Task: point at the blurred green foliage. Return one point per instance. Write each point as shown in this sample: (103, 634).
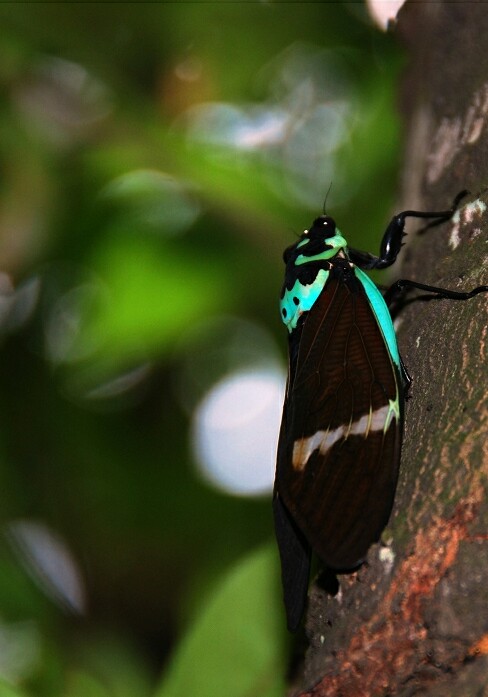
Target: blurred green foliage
(155, 161)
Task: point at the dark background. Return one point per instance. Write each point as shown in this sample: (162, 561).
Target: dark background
(155, 161)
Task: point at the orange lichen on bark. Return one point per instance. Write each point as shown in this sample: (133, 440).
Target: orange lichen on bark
(480, 647)
(389, 648)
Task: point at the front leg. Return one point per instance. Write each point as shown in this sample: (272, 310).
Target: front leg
(404, 284)
(437, 292)
(391, 243)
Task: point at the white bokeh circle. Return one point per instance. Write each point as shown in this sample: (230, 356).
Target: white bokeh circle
(235, 431)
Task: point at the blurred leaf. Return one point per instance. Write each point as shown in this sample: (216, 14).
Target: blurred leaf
(8, 690)
(108, 665)
(79, 684)
(154, 293)
(153, 200)
(236, 646)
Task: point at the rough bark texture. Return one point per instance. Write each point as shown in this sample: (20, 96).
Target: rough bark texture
(414, 620)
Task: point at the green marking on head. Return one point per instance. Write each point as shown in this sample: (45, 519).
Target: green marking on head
(336, 243)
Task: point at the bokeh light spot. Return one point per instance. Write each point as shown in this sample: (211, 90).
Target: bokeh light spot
(235, 432)
(382, 11)
(49, 562)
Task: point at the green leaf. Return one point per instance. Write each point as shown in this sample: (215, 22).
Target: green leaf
(236, 647)
(81, 684)
(8, 690)
(153, 294)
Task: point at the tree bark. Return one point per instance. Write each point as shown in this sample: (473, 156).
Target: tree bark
(414, 619)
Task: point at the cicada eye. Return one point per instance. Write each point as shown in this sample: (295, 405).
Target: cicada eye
(325, 224)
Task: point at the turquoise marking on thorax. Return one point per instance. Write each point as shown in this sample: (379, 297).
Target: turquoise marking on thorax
(301, 297)
(382, 313)
(336, 242)
(306, 296)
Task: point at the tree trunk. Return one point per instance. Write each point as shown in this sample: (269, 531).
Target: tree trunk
(414, 619)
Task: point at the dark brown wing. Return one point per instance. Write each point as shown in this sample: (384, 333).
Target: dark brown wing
(340, 440)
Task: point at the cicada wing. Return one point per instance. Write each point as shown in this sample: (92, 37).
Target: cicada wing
(295, 555)
(340, 441)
